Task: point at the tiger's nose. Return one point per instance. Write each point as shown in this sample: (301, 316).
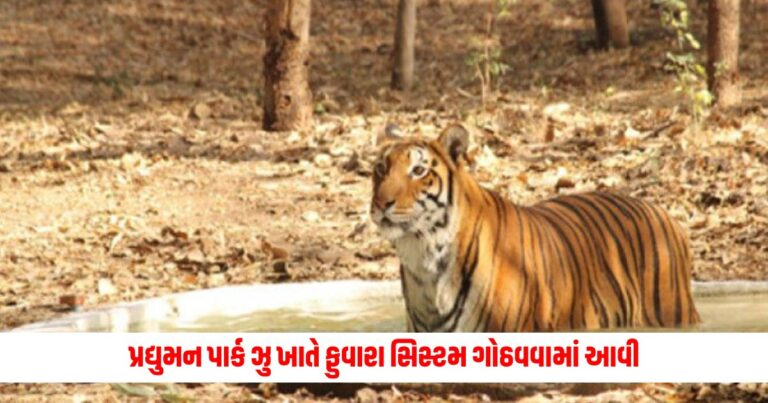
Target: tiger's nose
(382, 204)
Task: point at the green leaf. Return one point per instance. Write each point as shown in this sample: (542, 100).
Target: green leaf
(705, 97)
(694, 43)
(173, 398)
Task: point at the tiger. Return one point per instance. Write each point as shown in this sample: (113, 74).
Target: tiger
(471, 261)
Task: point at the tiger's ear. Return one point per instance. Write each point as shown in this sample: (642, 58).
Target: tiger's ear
(390, 133)
(455, 141)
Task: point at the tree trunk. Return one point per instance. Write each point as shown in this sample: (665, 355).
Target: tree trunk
(723, 47)
(287, 98)
(405, 37)
(611, 23)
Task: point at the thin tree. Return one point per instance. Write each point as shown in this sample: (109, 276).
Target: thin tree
(611, 23)
(723, 49)
(405, 38)
(287, 98)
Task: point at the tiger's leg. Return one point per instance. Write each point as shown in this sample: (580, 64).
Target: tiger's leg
(677, 296)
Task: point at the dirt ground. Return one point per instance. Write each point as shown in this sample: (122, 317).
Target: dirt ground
(267, 392)
(132, 163)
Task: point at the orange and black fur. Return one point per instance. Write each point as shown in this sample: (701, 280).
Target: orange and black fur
(472, 261)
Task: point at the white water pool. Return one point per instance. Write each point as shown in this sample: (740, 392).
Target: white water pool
(354, 305)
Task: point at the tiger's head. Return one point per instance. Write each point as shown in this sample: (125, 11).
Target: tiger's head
(413, 183)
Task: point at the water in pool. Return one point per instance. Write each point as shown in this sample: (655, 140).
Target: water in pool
(348, 306)
(720, 313)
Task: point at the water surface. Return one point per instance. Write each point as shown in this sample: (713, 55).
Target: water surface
(719, 313)
(349, 306)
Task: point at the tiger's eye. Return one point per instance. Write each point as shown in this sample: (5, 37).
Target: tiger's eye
(418, 170)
